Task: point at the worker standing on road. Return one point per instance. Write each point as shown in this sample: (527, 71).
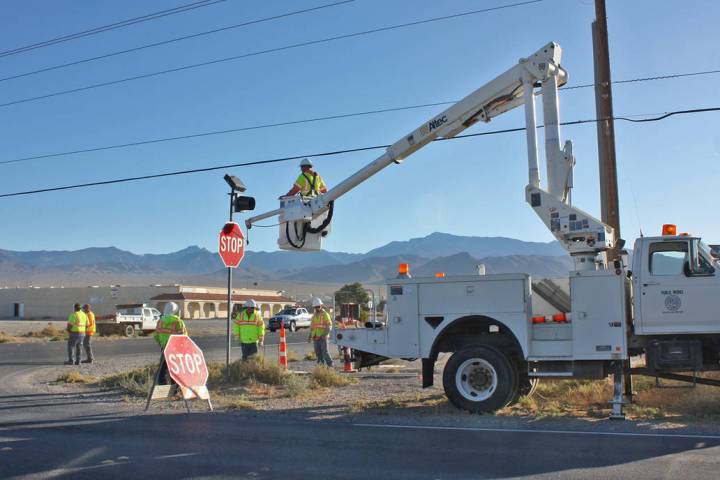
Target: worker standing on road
(169, 324)
(89, 332)
(76, 325)
(320, 332)
(249, 328)
(309, 183)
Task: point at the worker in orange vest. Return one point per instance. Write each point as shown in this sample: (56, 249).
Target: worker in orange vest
(89, 332)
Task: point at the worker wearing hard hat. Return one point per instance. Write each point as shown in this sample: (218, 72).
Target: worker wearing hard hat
(309, 183)
(169, 324)
(320, 326)
(249, 328)
(89, 332)
(76, 325)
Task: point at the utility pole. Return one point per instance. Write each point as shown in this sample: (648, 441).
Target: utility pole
(610, 210)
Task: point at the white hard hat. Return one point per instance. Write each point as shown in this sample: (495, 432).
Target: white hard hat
(306, 162)
(316, 302)
(250, 303)
(171, 309)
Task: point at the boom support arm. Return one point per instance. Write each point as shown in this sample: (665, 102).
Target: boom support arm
(304, 220)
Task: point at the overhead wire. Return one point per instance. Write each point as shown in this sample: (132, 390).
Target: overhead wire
(112, 26)
(173, 40)
(330, 153)
(264, 52)
(307, 120)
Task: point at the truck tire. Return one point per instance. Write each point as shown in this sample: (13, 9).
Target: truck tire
(129, 330)
(293, 327)
(480, 379)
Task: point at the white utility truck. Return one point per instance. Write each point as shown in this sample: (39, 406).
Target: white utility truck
(129, 320)
(505, 332)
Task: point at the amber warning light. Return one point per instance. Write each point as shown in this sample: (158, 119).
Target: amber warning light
(669, 229)
(404, 269)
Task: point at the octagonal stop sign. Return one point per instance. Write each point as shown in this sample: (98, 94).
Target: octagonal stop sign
(186, 364)
(231, 245)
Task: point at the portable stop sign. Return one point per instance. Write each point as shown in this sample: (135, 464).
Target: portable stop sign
(231, 245)
(187, 367)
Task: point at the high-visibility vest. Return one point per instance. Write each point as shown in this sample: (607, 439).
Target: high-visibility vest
(77, 321)
(320, 325)
(166, 326)
(248, 328)
(90, 328)
(310, 184)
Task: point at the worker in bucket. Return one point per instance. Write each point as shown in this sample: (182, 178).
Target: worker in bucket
(76, 325)
(249, 328)
(89, 332)
(169, 324)
(320, 326)
(309, 183)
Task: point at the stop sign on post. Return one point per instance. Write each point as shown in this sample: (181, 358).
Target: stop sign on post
(186, 364)
(232, 245)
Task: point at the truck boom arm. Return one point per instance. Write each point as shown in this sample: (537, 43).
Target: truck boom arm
(582, 235)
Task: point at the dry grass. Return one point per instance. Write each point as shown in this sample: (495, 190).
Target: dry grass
(292, 356)
(237, 402)
(50, 332)
(75, 377)
(590, 398)
(255, 370)
(136, 382)
(310, 356)
(5, 338)
(327, 377)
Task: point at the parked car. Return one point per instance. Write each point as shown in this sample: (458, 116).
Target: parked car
(294, 318)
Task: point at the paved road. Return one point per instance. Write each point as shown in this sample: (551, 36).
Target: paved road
(46, 435)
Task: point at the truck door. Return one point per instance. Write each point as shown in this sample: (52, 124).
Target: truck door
(679, 289)
(402, 327)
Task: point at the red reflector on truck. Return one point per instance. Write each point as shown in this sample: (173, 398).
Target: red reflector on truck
(559, 317)
(538, 319)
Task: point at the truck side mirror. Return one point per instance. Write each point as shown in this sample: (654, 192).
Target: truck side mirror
(686, 269)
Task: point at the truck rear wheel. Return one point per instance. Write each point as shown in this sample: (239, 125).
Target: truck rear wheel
(480, 379)
(129, 331)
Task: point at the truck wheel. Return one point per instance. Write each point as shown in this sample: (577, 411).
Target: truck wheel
(129, 331)
(293, 327)
(480, 379)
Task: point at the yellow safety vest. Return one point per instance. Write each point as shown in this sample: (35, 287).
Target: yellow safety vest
(77, 321)
(166, 326)
(90, 328)
(248, 328)
(310, 184)
(320, 325)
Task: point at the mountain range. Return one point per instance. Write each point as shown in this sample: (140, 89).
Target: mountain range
(437, 252)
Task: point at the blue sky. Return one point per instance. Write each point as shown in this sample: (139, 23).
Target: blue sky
(668, 171)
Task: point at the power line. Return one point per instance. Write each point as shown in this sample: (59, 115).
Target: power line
(172, 40)
(326, 154)
(112, 26)
(263, 52)
(306, 120)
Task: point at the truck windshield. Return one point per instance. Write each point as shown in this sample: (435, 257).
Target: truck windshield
(705, 255)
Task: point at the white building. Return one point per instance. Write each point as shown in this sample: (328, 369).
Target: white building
(194, 301)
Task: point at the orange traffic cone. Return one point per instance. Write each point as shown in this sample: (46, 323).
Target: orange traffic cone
(283, 347)
(347, 365)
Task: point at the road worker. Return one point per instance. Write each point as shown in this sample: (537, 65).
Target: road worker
(249, 328)
(309, 183)
(89, 332)
(76, 325)
(320, 326)
(169, 324)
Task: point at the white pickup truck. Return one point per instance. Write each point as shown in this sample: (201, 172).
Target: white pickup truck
(130, 320)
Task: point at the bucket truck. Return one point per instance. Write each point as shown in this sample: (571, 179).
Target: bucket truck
(505, 334)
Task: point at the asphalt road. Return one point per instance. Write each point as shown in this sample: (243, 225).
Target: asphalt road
(48, 435)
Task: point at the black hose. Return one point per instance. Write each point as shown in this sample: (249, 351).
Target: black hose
(308, 229)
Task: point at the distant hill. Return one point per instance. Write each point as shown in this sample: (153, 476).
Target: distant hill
(444, 244)
(438, 252)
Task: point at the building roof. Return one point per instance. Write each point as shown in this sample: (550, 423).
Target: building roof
(185, 296)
